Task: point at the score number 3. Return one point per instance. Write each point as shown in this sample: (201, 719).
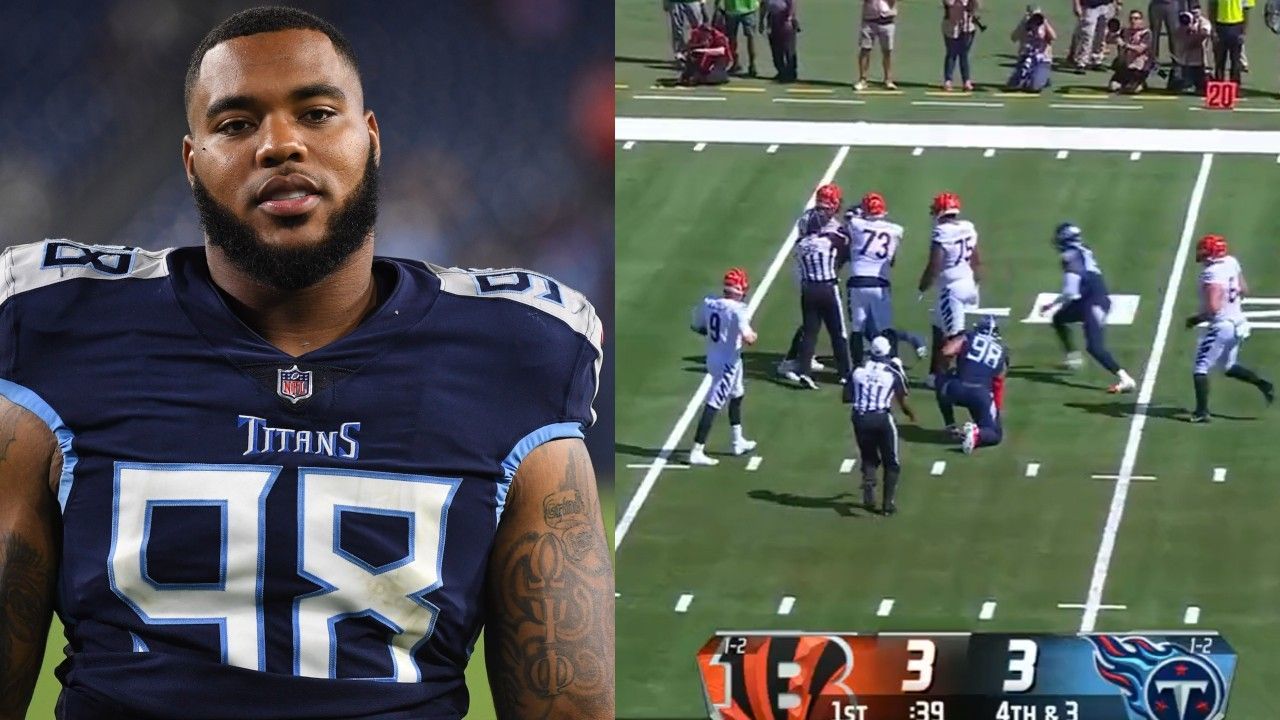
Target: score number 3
(1023, 655)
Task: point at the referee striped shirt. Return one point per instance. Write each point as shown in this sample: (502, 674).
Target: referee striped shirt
(816, 259)
(874, 385)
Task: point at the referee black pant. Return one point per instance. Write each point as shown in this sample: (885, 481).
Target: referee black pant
(820, 305)
(877, 438)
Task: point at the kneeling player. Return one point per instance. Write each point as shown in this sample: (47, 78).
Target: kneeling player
(1083, 300)
(1222, 287)
(976, 384)
(724, 321)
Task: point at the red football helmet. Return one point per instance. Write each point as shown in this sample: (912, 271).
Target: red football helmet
(947, 203)
(736, 279)
(1211, 247)
(828, 197)
(873, 204)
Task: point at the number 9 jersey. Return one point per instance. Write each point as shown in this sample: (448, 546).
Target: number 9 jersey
(251, 535)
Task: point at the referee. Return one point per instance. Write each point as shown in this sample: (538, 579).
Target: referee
(818, 256)
(875, 384)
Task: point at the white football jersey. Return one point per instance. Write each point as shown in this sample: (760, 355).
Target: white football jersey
(1226, 272)
(958, 239)
(725, 321)
(873, 243)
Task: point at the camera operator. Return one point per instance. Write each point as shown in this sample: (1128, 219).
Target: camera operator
(706, 58)
(1133, 56)
(1034, 35)
(1191, 48)
(960, 23)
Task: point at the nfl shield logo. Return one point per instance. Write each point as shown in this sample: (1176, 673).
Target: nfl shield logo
(293, 384)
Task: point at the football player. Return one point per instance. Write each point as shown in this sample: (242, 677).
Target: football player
(955, 267)
(276, 476)
(724, 322)
(1222, 287)
(873, 250)
(1083, 300)
(819, 219)
(976, 384)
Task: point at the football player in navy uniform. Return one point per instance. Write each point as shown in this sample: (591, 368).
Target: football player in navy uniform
(976, 383)
(1083, 300)
(277, 476)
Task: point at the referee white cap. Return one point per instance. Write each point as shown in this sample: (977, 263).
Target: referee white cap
(880, 347)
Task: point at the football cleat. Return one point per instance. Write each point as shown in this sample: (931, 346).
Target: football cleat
(890, 508)
(952, 431)
(743, 446)
(1125, 385)
(1198, 418)
(785, 368)
(969, 438)
(1268, 392)
(869, 496)
(921, 351)
(806, 382)
(815, 366)
(698, 457)
(1073, 361)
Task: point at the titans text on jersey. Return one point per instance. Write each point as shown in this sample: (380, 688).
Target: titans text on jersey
(240, 525)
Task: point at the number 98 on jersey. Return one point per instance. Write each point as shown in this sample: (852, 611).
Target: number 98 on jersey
(966, 676)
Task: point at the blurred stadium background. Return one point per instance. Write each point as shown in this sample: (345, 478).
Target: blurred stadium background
(497, 122)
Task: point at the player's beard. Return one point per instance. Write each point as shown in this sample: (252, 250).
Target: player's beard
(292, 268)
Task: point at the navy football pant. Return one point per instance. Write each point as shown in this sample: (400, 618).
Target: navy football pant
(1093, 317)
(981, 406)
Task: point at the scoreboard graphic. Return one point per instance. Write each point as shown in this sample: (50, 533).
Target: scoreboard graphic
(966, 676)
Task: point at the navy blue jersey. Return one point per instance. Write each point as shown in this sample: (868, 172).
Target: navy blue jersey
(1087, 284)
(251, 535)
(982, 358)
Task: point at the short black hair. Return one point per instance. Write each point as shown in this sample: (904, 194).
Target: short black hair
(263, 20)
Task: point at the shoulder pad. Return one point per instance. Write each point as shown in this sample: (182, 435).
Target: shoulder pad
(36, 265)
(530, 288)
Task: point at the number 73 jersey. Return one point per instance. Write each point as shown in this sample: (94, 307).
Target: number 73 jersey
(247, 534)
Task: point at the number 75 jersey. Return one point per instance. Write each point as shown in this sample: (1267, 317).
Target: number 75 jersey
(247, 534)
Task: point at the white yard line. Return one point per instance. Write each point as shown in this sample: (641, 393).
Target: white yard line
(686, 418)
(1098, 581)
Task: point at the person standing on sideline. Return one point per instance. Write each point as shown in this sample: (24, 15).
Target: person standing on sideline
(1162, 16)
(782, 26)
(959, 25)
(744, 14)
(1228, 27)
(683, 16)
(1191, 48)
(1093, 15)
(879, 21)
(725, 323)
(875, 384)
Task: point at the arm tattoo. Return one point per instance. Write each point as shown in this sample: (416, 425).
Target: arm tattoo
(553, 624)
(26, 588)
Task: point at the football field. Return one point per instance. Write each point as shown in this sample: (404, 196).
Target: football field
(1097, 512)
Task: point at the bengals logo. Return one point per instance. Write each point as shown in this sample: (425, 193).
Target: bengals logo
(776, 678)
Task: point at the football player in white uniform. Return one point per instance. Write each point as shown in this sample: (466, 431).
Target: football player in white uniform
(873, 249)
(955, 266)
(1222, 286)
(723, 320)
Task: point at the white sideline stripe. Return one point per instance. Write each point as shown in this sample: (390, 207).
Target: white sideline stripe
(1192, 615)
(1135, 155)
(989, 152)
(846, 465)
(912, 135)
(886, 607)
(646, 466)
(772, 149)
(682, 605)
(1081, 606)
(686, 418)
(1131, 476)
(754, 463)
(1098, 580)
(939, 467)
(988, 610)
(700, 147)
(784, 607)
(1219, 474)
(1062, 154)
(693, 98)
(628, 144)
(1033, 469)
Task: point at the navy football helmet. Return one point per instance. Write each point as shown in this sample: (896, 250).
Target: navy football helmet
(1066, 234)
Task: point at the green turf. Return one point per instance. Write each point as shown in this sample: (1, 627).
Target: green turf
(739, 541)
(828, 67)
(47, 687)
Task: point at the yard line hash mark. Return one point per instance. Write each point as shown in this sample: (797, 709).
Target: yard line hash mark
(1219, 474)
(682, 424)
(1062, 154)
(846, 465)
(1102, 564)
(784, 607)
(754, 463)
(1192, 615)
(700, 147)
(1033, 469)
(886, 607)
(682, 605)
(771, 149)
(628, 144)
(988, 610)
(939, 467)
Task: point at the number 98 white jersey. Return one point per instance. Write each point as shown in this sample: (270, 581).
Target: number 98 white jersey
(725, 321)
(873, 243)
